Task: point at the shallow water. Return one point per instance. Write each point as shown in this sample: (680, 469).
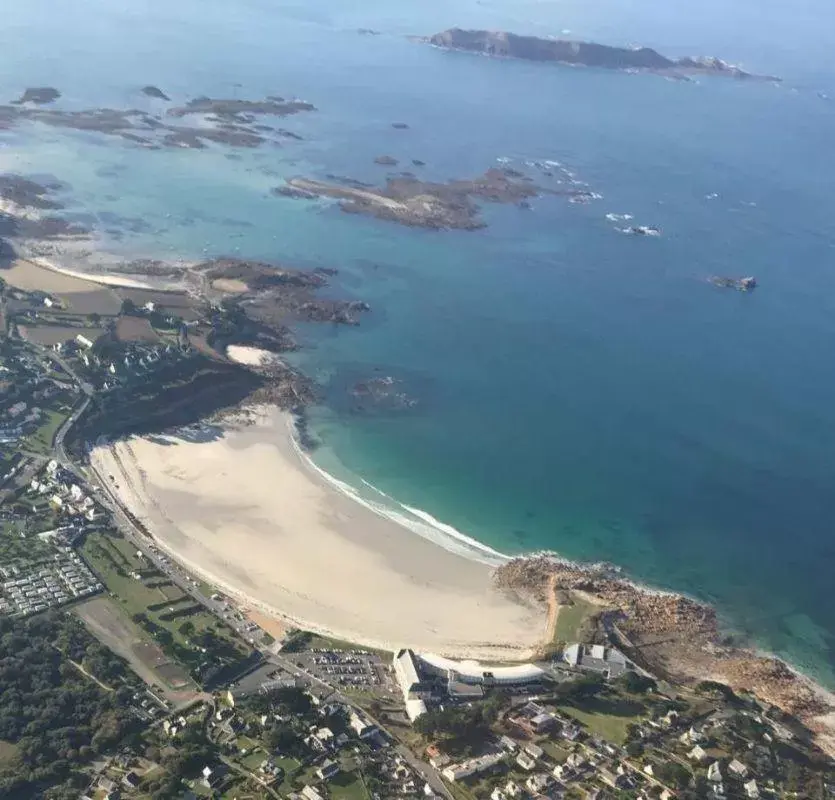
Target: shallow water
(580, 390)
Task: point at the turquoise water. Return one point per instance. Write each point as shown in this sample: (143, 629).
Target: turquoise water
(580, 390)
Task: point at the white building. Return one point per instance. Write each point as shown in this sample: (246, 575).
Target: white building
(475, 673)
(608, 661)
(473, 766)
(361, 727)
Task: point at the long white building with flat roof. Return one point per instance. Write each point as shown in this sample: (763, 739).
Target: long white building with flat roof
(419, 675)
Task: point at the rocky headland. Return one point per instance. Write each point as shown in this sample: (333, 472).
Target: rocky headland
(425, 204)
(674, 637)
(587, 54)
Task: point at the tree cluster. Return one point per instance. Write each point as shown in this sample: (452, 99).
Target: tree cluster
(58, 718)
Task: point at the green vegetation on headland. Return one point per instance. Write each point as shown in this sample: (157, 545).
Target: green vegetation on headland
(181, 393)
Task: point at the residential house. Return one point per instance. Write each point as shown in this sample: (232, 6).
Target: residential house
(328, 770)
(526, 762)
(697, 754)
(738, 768)
(539, 783)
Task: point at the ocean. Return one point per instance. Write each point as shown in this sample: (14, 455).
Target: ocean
(578, 390)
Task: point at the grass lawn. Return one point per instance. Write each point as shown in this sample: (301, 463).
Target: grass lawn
(347, 786)
(253, 760)
(41, 440)
(605, 717)
(459, 791)
(556, 752)
(114, 559)
(571, 619)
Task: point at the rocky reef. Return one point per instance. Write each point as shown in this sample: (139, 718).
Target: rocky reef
(740, 284)
(409, 201)
(577, 53)
(229, 122)
(155, 92)
(42, 95)
(381, 394)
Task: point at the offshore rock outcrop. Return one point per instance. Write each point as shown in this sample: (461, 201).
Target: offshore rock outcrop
(409, 201)
(155, 92)
(230, 122)
(588, 54)
(41, 95)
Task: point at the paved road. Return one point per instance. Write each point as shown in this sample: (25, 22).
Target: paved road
(426, 771)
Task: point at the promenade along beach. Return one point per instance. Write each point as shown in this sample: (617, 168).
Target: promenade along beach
(247, 511)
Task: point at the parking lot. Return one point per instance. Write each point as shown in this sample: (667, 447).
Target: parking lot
(358, 669)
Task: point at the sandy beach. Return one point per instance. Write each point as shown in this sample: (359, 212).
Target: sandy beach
(244, 510)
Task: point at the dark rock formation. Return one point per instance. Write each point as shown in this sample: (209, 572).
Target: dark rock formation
(155, 92)
(589, 54)
(274, 106)
(42, 95)
(386, 161)
(380, 394)
(409, 201)
(234, 123)
(418, 163)
(742, 284)
(30, 194)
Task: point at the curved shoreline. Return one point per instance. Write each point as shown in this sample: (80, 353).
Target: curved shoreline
(243, 510)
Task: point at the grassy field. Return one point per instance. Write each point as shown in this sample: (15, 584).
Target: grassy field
(556, 752)
(41, 440)
(115, 559)
(572, 619)
(348, 786)
(606, 717)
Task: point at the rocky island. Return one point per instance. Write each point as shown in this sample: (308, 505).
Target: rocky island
(425, 204)
(577, 53)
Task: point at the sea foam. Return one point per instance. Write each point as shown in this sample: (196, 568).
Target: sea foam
(413, 519)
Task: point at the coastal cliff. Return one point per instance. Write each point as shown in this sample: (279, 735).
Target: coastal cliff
(587, 54)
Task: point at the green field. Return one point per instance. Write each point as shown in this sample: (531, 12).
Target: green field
(348, 786)
(165, 605)
(41, 440)
(608, 718)
(572, 619)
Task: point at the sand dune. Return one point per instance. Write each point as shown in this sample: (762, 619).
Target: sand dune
(246, 512)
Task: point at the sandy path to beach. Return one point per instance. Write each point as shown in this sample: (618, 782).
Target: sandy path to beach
(246, 512)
